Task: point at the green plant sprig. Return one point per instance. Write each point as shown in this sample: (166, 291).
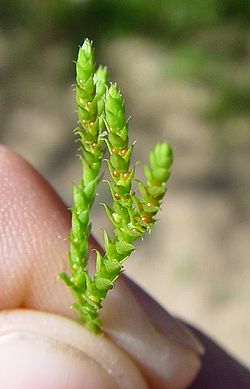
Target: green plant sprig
(90, 88)
(132, 216)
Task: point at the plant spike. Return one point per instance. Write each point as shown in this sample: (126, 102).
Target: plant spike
(132, 216)
(90, 88)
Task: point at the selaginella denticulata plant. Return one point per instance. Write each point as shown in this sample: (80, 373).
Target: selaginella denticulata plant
(103, 130)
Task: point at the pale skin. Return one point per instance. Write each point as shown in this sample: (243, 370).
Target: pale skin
(42, 345)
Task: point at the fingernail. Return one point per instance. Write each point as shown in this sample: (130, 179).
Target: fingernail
(167, 354)
(31, 361)
(166, 323)
(182, 334)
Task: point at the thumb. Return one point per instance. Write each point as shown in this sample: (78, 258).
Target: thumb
(41, 350)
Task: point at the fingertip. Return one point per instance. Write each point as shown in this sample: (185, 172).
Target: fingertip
(49, 351)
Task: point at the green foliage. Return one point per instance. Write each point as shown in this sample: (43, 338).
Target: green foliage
(103, 125)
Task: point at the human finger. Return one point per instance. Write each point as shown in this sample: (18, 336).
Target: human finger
(33, 248)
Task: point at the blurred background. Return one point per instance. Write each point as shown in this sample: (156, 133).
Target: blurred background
(183, 67)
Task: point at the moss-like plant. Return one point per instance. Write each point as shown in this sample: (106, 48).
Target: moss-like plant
(103, 126)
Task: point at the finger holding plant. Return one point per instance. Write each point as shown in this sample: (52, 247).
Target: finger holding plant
(131, 215)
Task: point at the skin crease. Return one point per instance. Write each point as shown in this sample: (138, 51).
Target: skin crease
(33, 248)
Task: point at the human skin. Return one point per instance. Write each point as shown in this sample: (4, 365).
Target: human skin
(143, 346)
